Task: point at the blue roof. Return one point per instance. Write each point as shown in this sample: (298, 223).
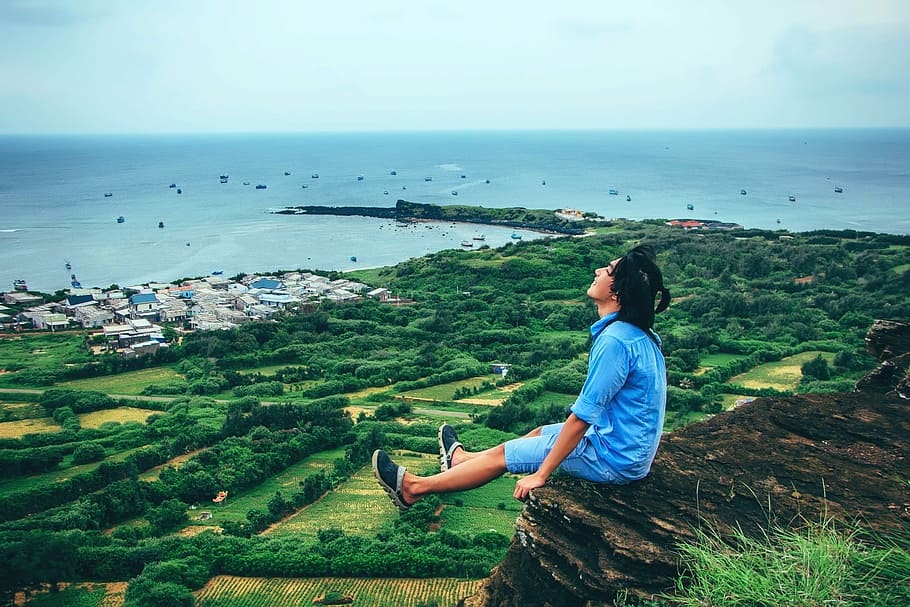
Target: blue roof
(266, 283)
(141, 298)
(78, 299)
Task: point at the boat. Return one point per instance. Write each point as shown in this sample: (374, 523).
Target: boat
(173, 185)
(454, 192)
(478, 237)
(613, 192)
(487, 181)
(516, 235)
(386, 192)
(160, 224)
(360, 178)
(287, 173)
(246, 183)
(353, 258)
(543, 182)
(225, 177)
(108, 194)
(20, 285)
(224, 180)
(838, 190)
(791, 198)
(314, 176)
(121, 219)
(217, 272)
(179, 191)
(690, 206)
(742, 192)
(261, 186)
(428, 178)
(467, 243)
(68, 265)
(628, 198)
(305, 186)
(393, 172)
(74, 282)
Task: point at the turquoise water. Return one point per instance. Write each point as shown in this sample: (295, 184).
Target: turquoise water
(53, 208)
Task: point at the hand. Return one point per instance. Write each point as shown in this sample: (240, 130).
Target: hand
(524, 485)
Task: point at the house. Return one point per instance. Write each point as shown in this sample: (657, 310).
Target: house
(280, 300)
(267, 284)
(500, 368)
(17, 298)
(183, 292)
(381, 294)
(143, 305)
(90, 316)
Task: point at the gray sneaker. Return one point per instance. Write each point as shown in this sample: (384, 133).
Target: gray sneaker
(448, 442)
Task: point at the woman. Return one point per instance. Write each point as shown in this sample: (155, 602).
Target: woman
(615, 424)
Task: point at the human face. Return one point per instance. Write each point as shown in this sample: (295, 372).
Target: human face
(601, 289)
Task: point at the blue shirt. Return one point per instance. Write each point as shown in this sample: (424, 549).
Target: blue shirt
(624, 397)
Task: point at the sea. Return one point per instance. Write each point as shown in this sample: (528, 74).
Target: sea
(101, 210)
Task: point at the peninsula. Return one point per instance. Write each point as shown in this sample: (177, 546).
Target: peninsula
(563, 221)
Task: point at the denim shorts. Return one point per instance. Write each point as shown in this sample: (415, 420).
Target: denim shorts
(525, 455)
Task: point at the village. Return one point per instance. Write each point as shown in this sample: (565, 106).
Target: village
(131, 320)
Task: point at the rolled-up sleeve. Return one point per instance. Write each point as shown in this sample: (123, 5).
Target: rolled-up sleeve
(608, 368)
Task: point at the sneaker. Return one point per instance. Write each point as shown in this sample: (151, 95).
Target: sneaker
(448, 442)
(389, 474)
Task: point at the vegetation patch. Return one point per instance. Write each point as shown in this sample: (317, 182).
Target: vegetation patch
(784, 374)
(231, 591)
(129, 383)
(20, 428)
(120, 415)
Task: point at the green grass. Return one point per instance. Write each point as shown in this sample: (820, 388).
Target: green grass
(70, 597)
(130, 382)
(709, 361)
(480, 508)
(287, 482)
(784, 374)
(42, 351)
(446, 392)
(820, 564)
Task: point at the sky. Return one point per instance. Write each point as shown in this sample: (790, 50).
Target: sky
(208, 66)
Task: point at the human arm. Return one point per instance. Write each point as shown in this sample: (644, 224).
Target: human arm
(570, 435)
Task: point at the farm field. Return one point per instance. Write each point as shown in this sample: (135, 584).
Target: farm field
(19, 428)
(780, 375)
(44, 351)
(230, 591)
(287, 482)
(129, 383)
(121, 415)
(358, 506)
(90, 594)
(710, 361)
(446, 392)
(23, 483)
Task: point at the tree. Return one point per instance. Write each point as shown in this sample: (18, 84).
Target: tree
(816, 368)
(87, 452)
(167, 516)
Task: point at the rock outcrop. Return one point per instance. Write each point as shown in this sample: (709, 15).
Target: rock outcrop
(786, 461)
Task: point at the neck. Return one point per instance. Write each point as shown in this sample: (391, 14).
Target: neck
(607, 307)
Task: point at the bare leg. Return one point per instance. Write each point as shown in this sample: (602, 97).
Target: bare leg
(460, 455)
(473, 472)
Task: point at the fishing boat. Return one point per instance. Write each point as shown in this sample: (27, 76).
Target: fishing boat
(613, 192)
(217, 272)
(179, 191)
(160, 224)
(68, 265)
(224, 180)
(791, 198)
(742, 192)
(173, 185)
(108, 194)
(305, 186)
(454, 192)
(428, 178)
(20, 285)
(478, 237)
(353, 258)
(393, 172)
(314, 176)
(628, 198)
(467, 243)
(690, 206)
(360, 178)
(516, 235)
(386, 192)
(838, 190)
(246, 183)
(287, 173)
(222, 176)
(121, 219)
(261, 186)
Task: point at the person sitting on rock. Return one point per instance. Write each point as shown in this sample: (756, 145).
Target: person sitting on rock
(615, 424)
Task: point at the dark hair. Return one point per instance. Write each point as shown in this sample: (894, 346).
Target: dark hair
(637, 282)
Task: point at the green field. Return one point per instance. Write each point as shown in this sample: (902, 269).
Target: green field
(130, 382)
(287, 482)
(709, 361)
(19, 428)
(23, 483)
(231, 591)
(42, 351)
(487, 508)
(446, 392)
(784, 374)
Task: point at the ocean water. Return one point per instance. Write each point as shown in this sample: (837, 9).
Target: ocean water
(53, 209)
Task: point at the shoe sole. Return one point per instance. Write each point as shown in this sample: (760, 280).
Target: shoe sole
(390, 491)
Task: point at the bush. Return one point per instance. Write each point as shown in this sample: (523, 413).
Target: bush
(88, 452)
